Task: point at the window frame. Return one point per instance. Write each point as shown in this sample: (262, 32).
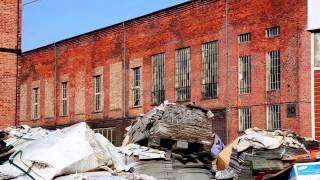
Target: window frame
(273, 70)
(64, 98)
(136, 86)
(109, 131)
(244, 114)
(182, 76)
(158, 78)
(244, 38)
(210, 70)
(274, 120)
(97, 93)
(36, 103)
(244, 70)
(272, 32)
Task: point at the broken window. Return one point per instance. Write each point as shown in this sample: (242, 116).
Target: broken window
(97, 93)
(245, 75)
(273, 116)
(273, 31)
(136, 86)
(273, 70)
(244, 118)
(243, 38)
(183, 74)
(36, 104)
(64, 95)
(109, 133)
(210, 70)
(158, 91)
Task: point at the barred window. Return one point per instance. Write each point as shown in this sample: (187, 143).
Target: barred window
(243, 38)
(209, 81)
(273, 116)
(245, 75)
(273, 31)
(244, 118)
(64, 95)
(158, 91)
(183, 74)
(136, 86)
(109, 133)
(35, 103)
(273, 63)
(97, 93)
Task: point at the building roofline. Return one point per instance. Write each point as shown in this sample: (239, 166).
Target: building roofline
(111, 26)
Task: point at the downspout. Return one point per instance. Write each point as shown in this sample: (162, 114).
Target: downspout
(55, 83)
(17, 64)
(227, 73)
(124, 72)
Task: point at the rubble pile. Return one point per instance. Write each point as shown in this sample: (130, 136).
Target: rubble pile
(261, 151)
(172, 122)
(183, 132)
(170, 141)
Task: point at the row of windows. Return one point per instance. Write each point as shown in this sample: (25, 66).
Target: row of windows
(273, 117)
(109, 133)
(209, 76)
(270, 32)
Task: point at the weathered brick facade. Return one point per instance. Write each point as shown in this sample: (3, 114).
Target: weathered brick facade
(114, 50)
(10, 25)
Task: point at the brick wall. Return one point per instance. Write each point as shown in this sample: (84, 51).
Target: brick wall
(187, 25)
(9, 47)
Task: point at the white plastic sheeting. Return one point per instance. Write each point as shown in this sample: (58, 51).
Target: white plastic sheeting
(70, 150)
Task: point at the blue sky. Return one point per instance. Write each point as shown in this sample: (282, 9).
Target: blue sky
(48, 21)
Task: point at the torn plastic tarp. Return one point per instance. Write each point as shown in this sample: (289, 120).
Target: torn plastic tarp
(70, 150)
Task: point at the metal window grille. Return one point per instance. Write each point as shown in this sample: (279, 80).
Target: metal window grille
(36, 105)
(273, 31)
(109, 133)
(183, 74)
(273, 70)
(64, 98)
(97, 93)
(158, 91)
(273, 117)
(243, 38)
(245, 75)
(136, 86)
(209, 81)
(244, 118)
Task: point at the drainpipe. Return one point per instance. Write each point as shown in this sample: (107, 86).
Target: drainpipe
(55, 83)
(17, 64)
(124, 72)
(227, 72)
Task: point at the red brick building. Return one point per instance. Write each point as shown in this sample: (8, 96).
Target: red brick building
(248, 60)
(10, 29)
(314, 28)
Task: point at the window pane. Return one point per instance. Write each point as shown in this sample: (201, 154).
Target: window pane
(273, 70)
(210, 70)
(97, 91)
(245, 75)
(183, 74)
(244, 118)
(274, 117)
(136, 86)
(158, 78)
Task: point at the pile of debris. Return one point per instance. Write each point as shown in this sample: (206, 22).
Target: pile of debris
(183, 132)
(41, 154)
(258, 153)
(171, 141)
(172, 122)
